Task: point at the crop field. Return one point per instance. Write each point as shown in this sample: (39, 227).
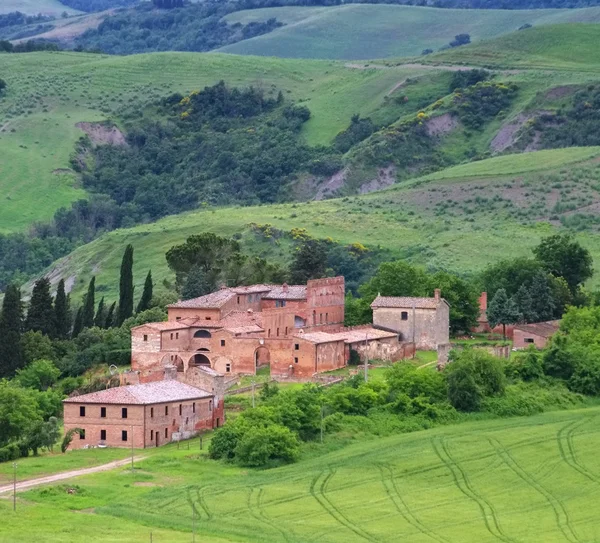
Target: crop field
(366, 31)
(443, 223)
(531, 480)
(33, 7)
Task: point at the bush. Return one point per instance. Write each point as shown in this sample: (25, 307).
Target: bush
(527, 366)
(222, 445)
(586, 377)
(260, 446)
(10, 452)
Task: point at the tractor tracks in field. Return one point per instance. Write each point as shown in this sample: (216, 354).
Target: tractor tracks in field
(564, 438)
(318, 489)
(561, 514)
(463, 483)
(255, 506)
(391, 488)
(195, 497)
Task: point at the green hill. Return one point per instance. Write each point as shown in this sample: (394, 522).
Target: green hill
(33, 7)
(366, 31)
(531, 479)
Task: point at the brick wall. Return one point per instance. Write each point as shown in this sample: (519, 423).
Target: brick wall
(520, 337)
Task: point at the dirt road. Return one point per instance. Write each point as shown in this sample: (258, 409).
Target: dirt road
(30, 483)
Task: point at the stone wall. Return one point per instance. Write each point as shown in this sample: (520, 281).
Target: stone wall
(426, 328)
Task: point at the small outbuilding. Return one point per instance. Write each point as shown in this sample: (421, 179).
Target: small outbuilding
(536, 334)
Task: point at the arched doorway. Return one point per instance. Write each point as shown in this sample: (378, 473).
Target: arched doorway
(299, 322)
(202, 334)
(199, 359)
(173, 359)
(262, 357)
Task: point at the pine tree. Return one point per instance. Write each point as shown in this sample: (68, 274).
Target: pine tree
(62, 317)
(126, 287)
(89, 305)
(524, 302)
(502, 310)
(11, 323)
(542, 300)
(40, 317)
(146, 298)
(100, 319)
(77, 323)
(109, 322)
(196, 284)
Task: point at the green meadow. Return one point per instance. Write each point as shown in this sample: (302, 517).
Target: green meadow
(366, 31)
(533, 479)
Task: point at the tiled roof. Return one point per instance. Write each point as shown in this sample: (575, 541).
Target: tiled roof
(162, 326)
(319, 337)
(148, 393)
(406, 302)
(287, 292)
(364, 334)
(252, 289)
(214, 300)
(542, 329)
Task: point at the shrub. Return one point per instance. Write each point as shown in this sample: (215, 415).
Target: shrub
(586, 377)
(223, 444)
(527, 366)
(260, 446)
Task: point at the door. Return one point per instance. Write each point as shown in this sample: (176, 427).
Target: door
(157, 442)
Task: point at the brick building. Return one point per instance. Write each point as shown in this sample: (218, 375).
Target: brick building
(422, 321)
(538, 333)
(150, 414)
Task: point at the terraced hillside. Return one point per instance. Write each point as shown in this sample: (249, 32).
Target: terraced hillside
(367, 31)
(534, 479)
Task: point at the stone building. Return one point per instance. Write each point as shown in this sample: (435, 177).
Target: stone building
(422, 321)
(149, 414)
(538, 333)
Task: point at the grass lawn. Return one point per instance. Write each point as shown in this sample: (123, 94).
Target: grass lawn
(528, 479)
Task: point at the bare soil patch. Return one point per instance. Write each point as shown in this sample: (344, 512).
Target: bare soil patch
(102, 134)
(332, 185)
(385, 178)
(438, 126)
(560, 92)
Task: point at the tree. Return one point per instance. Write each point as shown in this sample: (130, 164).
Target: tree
(146, 299)
(11, 322)
(396, 279)
(543, 304)
(89, 305)
(502, 310)
(563, 256)
(109, 322)
(77, 323)
(463, 300)
(126, 287)
(43, 435)
(460, 39)
(196, 284)
(69, 437)
(509, 275)
(258, 446)
(2, 85)
(100, 318)
(18, 412)
(40, 316)
(62, 316)
(36, 346)
(524, 303)
(310, 262)
(40, 374)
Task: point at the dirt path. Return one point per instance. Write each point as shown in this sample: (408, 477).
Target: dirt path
(30, 483)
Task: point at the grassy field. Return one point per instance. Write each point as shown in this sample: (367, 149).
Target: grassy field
(366, 31)
(455, 223)
(528, 480)
(48, 93)
(33, 7)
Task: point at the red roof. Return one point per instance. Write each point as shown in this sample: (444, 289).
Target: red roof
(542, 329)
(407, 302)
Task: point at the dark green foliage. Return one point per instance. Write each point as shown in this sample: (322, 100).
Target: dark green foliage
(28, 46)
(110, 316)
(77, 323)
(258, 447)
(11, 322)
(97, 5)
(40, 315)
(543, 303)
(40, 375)
(16, 18)
(310, 262)
(126, 287)
(467, 78)
(481, 102)
(68, 438)
(359, 130)
(563, 256)
(100, 318)
(509, 275)
(43, 435)
(19, 410)
(463, 300)
(502, 310)
(89, 305)
(268, 391)
(463, 392)
(586, 377)
(146, 298)
(460, 39)
(222, 445)
(62, 312)
(524, 303)
(196, 284)
(526, 365)
(168, 4)
(2, 85)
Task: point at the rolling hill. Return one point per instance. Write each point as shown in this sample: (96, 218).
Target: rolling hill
(33, 7)
(367, 31)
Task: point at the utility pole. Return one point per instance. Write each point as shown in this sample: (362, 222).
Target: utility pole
(14, 486)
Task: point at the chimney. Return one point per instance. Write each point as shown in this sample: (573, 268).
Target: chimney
(285, 287)
(437, 294)
(170, 372)
(483, 301)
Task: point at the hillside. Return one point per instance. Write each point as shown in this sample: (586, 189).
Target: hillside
(366, 31)
(533, 479)
(33, 7)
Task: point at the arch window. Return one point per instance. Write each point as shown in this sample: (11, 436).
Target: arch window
(202, 334)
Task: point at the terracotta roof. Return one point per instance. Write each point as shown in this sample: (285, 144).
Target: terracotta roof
(162, 326)
(319, 337)
(287, 292)
(364, 334)
(148, 393)
(214, 300)
(252, 289)
(542, 329)
(406, 302)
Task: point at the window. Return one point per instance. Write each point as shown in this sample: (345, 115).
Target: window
(277, 332)
(222, 343)
(152, 412)
(82, 410)
(286, 330)
(151, 434)
(123, 435)
(404, 315)
(171, 335)
(145, 337)
(102, 435)
(227, 368)
(295, 360)
(208, 318)
(280, 303)
(210, 405)
(238, 298)
(180, 410)
(320, 318)
(166, 409)
(194, 407)
(529, 340)
(326, 317)
(269, 333)
(124, 413)
(166, 432)
(296, 346)
(176, 335)
(202, 334)
(82, 434)
(177, 318)
(103, 412)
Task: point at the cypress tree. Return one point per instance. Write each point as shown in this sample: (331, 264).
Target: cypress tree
(146, 298)
(196, 284)
(11, 323)
(40, 317)
(77, 323)
(89, 305)
(62, 318)
(100, 319)
(126, 287)
(110, 316)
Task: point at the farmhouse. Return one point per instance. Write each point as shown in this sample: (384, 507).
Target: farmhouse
(536, 334)
(425, 322)
(144, 415)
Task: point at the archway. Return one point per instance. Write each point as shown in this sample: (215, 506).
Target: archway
(199, 359)
(262, 357)
(174, 360)
(202, 334)
(299, 322)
